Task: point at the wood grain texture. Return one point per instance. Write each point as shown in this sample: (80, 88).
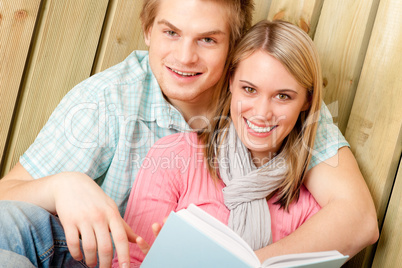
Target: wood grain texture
(17, 21)
(374, 128)
(389, 249)
(304, 13)
(122, 33)
(342, 38)
(62, 56)
(261, 8)
(376, 118)
(76, 38)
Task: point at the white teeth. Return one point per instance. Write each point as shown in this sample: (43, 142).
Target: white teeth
(183, 74)
(259, 129)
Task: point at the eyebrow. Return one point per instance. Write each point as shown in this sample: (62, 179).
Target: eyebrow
(247, 82)
(174, 28)
(280, 90)
(165, 22)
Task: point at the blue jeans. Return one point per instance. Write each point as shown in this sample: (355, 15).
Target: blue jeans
(32, 237)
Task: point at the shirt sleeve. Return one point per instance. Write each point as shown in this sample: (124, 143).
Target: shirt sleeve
(155, 193)
(75, 138)
(283, 222)
(328, 138)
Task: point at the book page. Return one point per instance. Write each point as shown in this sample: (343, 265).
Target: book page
(220, 233)
(303, 259)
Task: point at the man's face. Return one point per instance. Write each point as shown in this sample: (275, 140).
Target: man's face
(188, 45)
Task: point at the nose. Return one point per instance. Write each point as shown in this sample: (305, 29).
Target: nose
(186, 52)
(263, 109)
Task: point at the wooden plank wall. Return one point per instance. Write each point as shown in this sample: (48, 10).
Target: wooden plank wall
(374, 128)
(17, 21)
(48, 46)
(388, 252)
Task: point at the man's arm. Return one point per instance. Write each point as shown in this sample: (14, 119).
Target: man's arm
(347, 221)
(83, 208)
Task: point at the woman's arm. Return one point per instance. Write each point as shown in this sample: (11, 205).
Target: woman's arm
(347, 221)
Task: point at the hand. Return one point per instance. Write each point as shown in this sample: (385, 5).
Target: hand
(85, 210)
(142, 244)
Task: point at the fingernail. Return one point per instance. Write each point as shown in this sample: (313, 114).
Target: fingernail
(125, 265)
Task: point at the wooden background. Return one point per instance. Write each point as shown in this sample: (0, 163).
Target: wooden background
(48, 46)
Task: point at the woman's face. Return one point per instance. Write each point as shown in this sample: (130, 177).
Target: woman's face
(266, 102)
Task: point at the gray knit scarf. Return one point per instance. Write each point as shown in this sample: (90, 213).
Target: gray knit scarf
(247, 188)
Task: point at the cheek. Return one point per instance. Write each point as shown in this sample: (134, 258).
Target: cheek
(291, 119)
(216, 61)
(236, 106)
(233, 108)
(216, 68)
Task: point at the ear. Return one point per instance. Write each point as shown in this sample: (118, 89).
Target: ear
(147, 36)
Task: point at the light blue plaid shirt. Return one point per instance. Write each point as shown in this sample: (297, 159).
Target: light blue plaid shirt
(105, 126)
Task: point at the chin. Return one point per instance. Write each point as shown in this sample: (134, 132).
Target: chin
(185, 95)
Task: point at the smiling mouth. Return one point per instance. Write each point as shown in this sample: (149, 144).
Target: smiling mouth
(258, 129)
(184, 74)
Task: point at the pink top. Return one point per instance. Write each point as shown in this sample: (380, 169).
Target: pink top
(174, 175)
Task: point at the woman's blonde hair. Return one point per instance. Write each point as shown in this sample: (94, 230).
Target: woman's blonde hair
(296, 51)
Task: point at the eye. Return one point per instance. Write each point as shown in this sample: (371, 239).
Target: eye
(250, 90)
(208, 40)
(171, 33)
(283, 96)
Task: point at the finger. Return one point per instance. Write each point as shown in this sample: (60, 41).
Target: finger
(104, 245)
(73, 242)
(130, 233)
(143, 245)
(156, 228)
(89, 245)
(120, 239)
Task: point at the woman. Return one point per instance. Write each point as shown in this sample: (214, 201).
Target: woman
(248, 168)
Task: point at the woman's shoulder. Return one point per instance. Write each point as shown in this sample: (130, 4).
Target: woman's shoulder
(177, 138)
(186, 143)
(182, 139)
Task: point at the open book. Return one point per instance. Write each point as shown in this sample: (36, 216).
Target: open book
(193, 238)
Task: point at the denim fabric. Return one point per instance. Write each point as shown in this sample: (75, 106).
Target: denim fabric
(35, 235)
(10, 259)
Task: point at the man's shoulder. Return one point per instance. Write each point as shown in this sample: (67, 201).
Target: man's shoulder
(134, 69)
(130, 79)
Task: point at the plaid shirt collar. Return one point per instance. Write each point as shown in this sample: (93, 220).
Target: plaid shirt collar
(161, 111)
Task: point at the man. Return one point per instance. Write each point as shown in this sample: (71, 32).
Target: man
(102, 130)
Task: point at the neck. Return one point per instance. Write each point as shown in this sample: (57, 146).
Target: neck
(261, 159)
(197, 113)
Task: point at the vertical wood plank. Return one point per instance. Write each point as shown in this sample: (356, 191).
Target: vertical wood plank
(63, 55)
(374, 128)
(303, 13)
(342, 38)
(17, 21)
(122, 33)
(388, 253)
(261, 9)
